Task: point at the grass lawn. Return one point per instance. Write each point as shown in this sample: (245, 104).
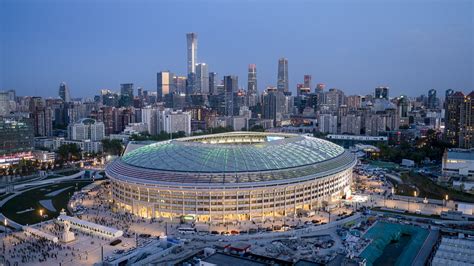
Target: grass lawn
(430, 189)
(30, 200)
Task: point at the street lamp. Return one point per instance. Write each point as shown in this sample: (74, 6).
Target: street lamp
(5, 224)
(41, 215)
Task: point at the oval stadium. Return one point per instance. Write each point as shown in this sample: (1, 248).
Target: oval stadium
(231, 176)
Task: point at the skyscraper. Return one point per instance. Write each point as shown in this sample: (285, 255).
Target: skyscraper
(126, 94)
(252, 80)
(4, 103)
(381, 93)
(64, 92)
(213, 83)
(307, 81)
(164, 84)
(192, 42)
(432, 100)
(466, 136)
(454, 105)
(282, 84)
(202, 79)
(320, 87)
(231, 86)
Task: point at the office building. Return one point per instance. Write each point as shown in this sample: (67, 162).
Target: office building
(126, 95)
(64, 92)
(307, 81)
(202, 79)
(282, 84)
(192, 45)
(381, 93)
(231, 86)
(16, 139)
(432, 100)
(252, 80)
(213, 82)
(164, 84)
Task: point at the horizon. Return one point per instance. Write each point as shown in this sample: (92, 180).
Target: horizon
(431, 48)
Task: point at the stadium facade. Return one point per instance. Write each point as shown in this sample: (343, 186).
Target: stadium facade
(231, 176)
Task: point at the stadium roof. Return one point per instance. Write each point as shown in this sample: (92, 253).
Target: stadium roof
(193, 156)
(212, 159)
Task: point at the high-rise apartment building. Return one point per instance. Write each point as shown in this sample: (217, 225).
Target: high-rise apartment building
(86, 129)
(42, 117)
(466, 134)
(282, 84)
(454, 104)
(175, 121)
(4, 103)
(192, 45)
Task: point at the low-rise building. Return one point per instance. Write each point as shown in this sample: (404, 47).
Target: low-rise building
(459, 162)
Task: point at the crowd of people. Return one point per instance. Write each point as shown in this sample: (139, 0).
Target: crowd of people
(28, 249)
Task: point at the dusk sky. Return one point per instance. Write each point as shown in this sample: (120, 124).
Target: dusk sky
(409, 45)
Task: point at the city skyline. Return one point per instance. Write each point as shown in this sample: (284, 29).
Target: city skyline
(429, 49)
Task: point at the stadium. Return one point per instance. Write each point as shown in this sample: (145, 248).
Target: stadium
(231, 176)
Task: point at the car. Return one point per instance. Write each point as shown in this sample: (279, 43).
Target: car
(214, 232)
(115, 242)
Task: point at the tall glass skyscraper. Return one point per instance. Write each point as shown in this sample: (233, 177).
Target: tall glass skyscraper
(213, 82)
(252, 79)
(202, 78)
(192, 51)
(64, 92)
(164, 84)
(231, 86)
(282, 84)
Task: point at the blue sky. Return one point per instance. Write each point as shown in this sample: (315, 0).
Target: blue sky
(409, 45)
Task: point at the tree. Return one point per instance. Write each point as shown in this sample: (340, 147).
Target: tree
(112, 147)
(69, 152)
(257, 128)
